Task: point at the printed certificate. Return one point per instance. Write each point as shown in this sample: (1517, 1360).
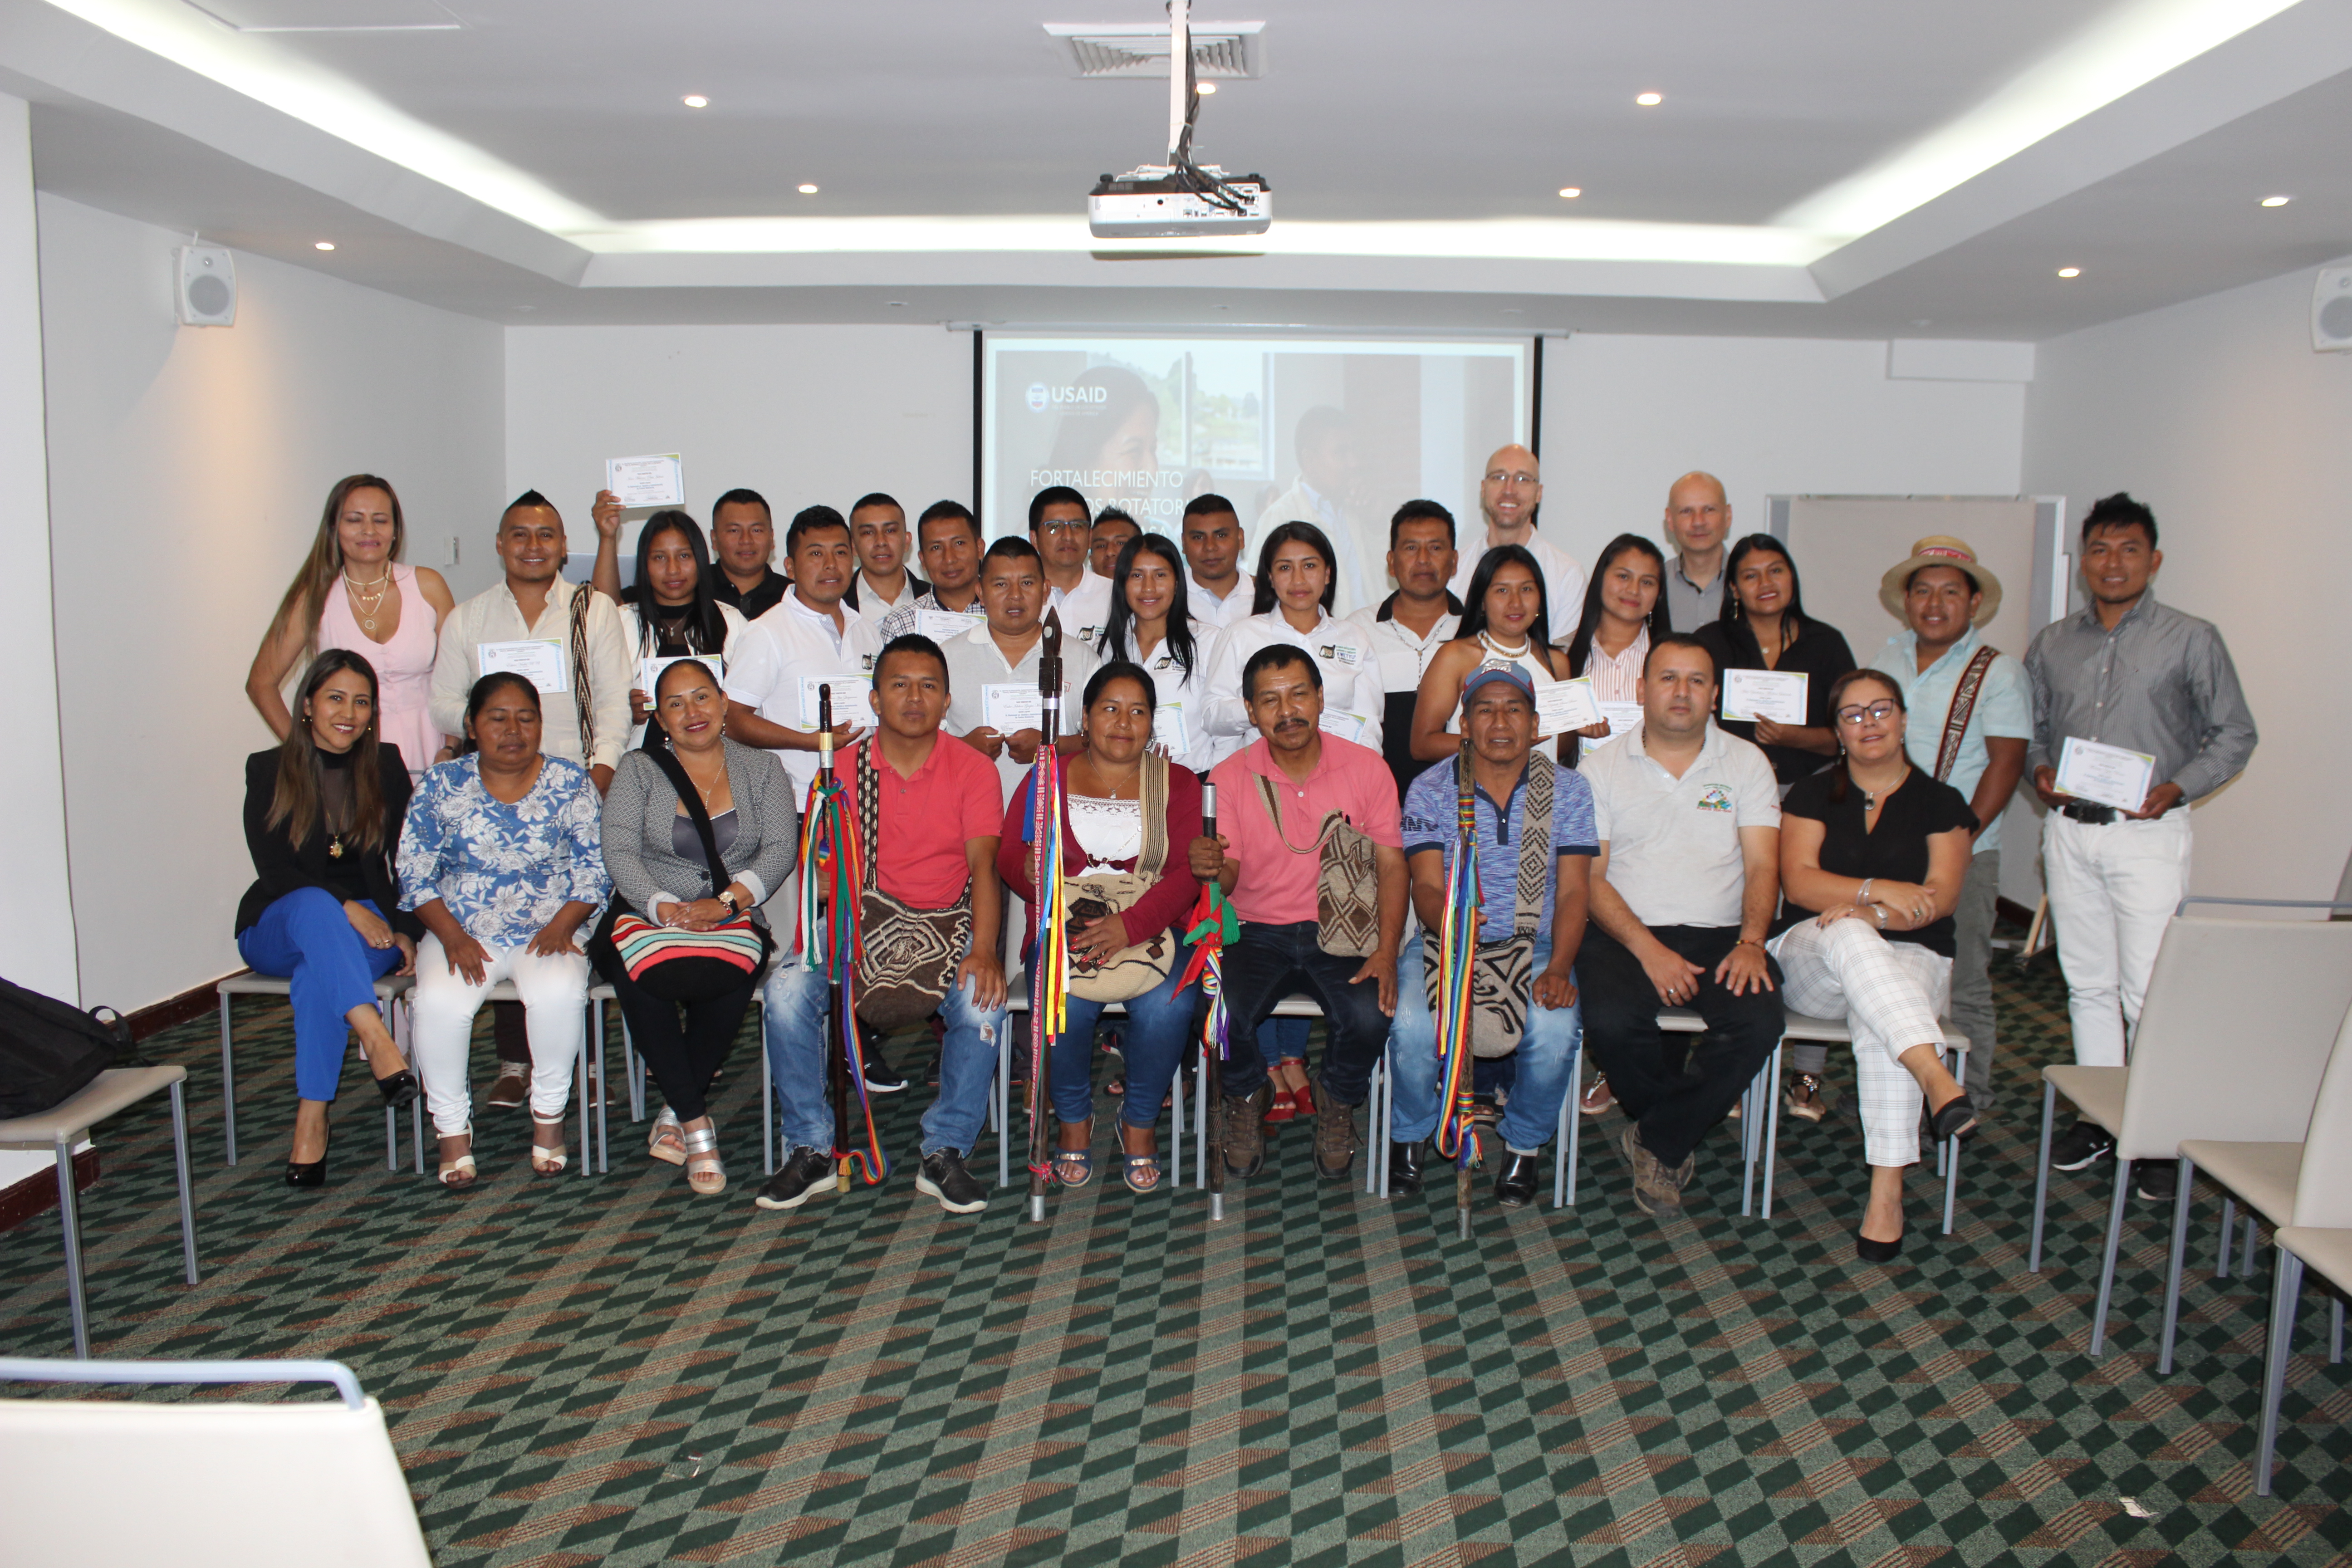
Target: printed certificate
(539, 661)
(1777, 695)
(655, 481)
(2105, 776)
(1565, 705)
(853, 699)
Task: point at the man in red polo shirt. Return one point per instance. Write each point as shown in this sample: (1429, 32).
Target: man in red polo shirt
(1267, 859)
(938, 814)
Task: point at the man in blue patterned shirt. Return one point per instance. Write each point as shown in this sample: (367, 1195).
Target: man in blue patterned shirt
(1536, 988)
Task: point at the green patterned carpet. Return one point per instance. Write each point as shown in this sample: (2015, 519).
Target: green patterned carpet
(608, 1369)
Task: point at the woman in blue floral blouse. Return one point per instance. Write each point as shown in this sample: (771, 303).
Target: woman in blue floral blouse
(502, 859)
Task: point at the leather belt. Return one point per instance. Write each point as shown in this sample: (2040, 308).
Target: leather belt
(2097, 816)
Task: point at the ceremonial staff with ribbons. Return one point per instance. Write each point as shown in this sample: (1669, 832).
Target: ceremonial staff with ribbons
(1049, 963)
(1457, 962)
(831, 874)
(1211, 925)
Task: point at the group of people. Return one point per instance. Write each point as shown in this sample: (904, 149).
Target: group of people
(556, 776)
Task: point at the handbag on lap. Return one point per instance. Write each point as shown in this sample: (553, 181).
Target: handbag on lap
(910, 955)
(1347, 881)
(1135, 969)
(1503, 974)
(684, 965)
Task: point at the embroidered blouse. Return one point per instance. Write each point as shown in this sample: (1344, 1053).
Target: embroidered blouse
(503, 870)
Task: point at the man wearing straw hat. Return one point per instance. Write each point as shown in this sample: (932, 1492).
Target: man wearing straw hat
(1971, 711)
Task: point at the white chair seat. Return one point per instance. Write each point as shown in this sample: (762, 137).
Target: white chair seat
(2263, 1175)
(2327, 1250)
(390, 991)
(2097, 1093)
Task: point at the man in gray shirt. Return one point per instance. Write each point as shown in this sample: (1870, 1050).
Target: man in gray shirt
(2130, 673)
(1698, 519)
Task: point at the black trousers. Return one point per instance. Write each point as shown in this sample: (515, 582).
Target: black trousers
(683, 1059)
(1271, 962)
(1674, 1097)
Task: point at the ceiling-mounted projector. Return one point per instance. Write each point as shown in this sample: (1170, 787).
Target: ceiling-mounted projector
(1178, 199)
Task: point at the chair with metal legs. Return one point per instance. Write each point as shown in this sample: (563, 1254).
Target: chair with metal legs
(2319, 1240)
(2275, 990)
(59, 1128)
(394, 996)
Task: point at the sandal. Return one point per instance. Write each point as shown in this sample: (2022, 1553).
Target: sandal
(666, 1142)
(704, 1173)
(1142, 1173)
(461, 1168)
(1075, 1167)
(1805, 1097)
(1597, 1097)
(546, 1159)
(1281, 1108)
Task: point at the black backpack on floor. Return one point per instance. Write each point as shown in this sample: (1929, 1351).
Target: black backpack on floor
(50, 1051)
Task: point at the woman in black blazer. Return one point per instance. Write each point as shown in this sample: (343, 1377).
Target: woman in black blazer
(323, 818)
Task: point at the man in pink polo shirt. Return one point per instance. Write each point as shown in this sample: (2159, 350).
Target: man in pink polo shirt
(937, 820)
(1267, 858)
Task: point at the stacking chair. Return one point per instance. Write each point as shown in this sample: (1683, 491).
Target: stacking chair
(2319, 1238)
(210, 1484)
(58, 1129)
(392, 994)
(1838, 1032)
(2239, 1014)
(2263, 1174)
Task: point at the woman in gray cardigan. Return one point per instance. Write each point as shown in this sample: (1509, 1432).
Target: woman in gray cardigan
(659, 869)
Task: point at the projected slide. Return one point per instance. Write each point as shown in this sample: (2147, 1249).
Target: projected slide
(1336, 432)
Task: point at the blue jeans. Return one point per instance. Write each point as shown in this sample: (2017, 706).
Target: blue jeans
(1280, 1038)
(307, 939)
(1159, 1022)
(1271, 962)
(1547, 1060)
(796, 998)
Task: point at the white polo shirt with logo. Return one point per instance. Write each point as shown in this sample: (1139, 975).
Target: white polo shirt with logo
(1674, 843)
(769, 659)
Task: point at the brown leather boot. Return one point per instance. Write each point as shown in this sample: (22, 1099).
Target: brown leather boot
(1245, 1131)
(1334, 1135)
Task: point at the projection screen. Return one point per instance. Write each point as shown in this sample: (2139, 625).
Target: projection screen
(1336, 431)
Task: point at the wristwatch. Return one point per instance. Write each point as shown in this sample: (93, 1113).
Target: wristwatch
(726, 896)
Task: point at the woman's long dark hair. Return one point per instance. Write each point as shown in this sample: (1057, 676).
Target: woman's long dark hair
(1305, 534)
(1792, 619)
(296, 802)
(1114, 641)
(1580, 645)
(479, 697)
(657, 735)
(1840, 785)
(1474, 601)
(705, 628)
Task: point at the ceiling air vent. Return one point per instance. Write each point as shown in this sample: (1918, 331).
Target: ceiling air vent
(1140, 48)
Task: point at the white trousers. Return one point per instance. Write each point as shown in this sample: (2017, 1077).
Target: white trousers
(555, 992)
(1889, 994)
(2112, 889)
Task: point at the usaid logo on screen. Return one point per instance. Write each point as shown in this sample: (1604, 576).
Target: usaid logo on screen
(1041, 396)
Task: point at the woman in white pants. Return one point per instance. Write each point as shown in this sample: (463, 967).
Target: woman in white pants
(502, 858)
(1873, 853)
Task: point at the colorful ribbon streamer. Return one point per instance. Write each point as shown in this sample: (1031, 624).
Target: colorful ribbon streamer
(1212, 925)
(832, 878)
(1049, 954)
(1457, 1130)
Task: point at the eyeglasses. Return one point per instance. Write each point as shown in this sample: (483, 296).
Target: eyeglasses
(1065, 527)
(1878, 712)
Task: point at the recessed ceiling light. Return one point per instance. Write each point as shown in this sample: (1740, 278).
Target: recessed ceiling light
(1922, 321)
(2069, 272)
(808, 190)
(1204, 87)
(2276, 201)
(1650, 100)
(1572, 191)
(324, 244)
(898, 304)
(695, 100)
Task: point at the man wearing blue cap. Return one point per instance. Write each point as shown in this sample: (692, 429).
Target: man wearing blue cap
(1531, 902)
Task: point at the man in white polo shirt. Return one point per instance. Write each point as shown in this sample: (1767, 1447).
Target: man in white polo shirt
(810, 635)
(1682, 897)
(1222, 593)
(1508, 494)
(1005, 651)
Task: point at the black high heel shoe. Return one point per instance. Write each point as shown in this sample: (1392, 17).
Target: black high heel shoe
(309, 1172)
(1871, 1251)
(400, 1091)
(1953, 1118)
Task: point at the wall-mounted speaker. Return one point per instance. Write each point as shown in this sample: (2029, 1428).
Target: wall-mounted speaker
(2331, 310)
(204, 286)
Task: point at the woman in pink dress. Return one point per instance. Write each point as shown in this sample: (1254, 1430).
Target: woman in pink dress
(353, 593)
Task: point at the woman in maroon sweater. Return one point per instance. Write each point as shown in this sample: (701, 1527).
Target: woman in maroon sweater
(1128, 819)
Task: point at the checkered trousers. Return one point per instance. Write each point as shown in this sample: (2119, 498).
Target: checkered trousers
(1890, 994)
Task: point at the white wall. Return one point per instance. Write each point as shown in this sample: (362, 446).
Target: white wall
(800, 414)
(2218, 414)
(1623, 417)
(187, 469)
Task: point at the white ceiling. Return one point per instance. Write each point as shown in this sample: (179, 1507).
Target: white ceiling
(535, 163)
